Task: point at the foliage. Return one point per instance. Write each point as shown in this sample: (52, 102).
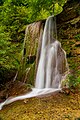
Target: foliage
(73, 81)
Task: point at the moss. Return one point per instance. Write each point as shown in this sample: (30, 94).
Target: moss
(77, 37)
(31, 75)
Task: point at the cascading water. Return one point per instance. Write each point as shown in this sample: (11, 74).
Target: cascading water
(52, 65)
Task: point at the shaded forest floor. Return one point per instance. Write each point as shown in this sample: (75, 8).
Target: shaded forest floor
(58, 106)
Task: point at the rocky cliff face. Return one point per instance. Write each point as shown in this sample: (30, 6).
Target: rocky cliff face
(68, 24)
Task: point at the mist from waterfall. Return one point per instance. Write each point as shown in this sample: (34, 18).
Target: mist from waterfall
(52, 65)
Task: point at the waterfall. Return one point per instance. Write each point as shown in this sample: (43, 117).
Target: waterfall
(52, 65)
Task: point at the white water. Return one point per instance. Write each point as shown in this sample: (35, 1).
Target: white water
(52, 65)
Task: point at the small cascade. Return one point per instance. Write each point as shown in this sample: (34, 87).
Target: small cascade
(52, 65)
